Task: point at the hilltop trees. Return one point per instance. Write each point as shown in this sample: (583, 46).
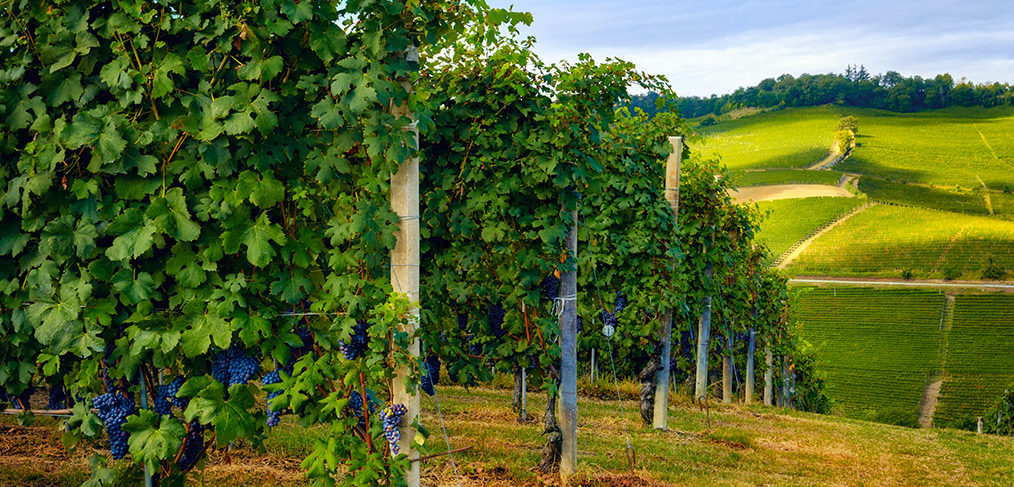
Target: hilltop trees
(856, 88)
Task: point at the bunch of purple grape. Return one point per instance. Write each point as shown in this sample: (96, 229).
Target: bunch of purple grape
(233, 366)
(620, 302)
(193, 446)
(494, 316)
(391, 417)
(273, 377)
(114, 408)
(165, 397)
(57, 397)
(551, 287)
(357, 343)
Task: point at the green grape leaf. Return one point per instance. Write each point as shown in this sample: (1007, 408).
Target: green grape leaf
(149, 444)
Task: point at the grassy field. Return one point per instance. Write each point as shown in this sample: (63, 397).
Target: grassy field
(924, 196)
(876, 347)
(891, 241)
(980, 357)
(777, 139)
(784, 176)
(790, 220)
(966, 147)
(741, 446)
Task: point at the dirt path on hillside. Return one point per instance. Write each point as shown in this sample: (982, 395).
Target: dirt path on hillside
(1005, 286)
(828, 159)
(928, 405)
(791, 256)
(787, 191)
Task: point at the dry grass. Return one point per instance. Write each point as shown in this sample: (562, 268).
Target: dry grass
(742, 446)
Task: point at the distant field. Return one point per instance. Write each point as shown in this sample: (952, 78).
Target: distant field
(785, 176)
(980, 357)
(954, 146)
(790, 220)
(776, 139)
(924, 196)
(875, 346)
(889, 240)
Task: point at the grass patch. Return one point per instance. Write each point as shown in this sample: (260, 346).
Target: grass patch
(876, 347)
(980, 357)
(777, 139)
(890, 241)
(790, 220)
(965, 147)
(743, 446)
(785, 176)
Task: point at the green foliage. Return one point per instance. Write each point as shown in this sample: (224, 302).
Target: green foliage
(999, 419)
(848, 123)
(176, 176)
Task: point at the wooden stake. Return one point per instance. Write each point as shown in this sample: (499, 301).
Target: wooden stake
(568, 360)
(751, 348)
(660, 419)
(405, 281)
(769, 376)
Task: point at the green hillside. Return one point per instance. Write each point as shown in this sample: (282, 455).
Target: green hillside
(777, 139)
(892, 241)
(875, 347)
(746, 178)
(966, 147)
(790, 220)
(979, 362)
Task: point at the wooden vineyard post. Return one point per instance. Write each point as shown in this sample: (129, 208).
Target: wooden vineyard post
(405, 281)
(672, 196)
(751, 348)
(703, 340)
(769, 376)
(727, 369)
(568, 359)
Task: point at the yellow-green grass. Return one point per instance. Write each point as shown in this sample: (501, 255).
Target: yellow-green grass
(784, 176)
(979, 363)
(743, 446)
(892, 241)
(966, 147)
(789, 138)
(875, 347)
(961, 201)
(790, 220)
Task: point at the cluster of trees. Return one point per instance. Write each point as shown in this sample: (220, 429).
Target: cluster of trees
(855, 88)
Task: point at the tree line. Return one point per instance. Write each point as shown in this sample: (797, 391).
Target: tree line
(855, 88)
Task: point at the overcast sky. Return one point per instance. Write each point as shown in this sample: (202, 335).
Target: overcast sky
(716, 46)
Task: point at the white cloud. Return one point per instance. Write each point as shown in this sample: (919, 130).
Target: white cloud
(725, 45)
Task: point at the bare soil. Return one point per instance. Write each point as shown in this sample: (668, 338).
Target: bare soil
(787, 191)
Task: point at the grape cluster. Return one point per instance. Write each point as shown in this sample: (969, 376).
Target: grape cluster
(273, 377)
(357, 343)
(494, 316)
(433, 368)
(620, 302)
(233, 366)
(426, 383)
(165, 397)
(114, 408)
(193, 446)
(609, 319)
(462, 321)
(58, 397)
(391, 417)
(356, 405)
(551, 287)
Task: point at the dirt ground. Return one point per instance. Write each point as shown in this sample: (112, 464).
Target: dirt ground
(786, 191)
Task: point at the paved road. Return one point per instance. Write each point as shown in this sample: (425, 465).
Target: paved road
(913, 283)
